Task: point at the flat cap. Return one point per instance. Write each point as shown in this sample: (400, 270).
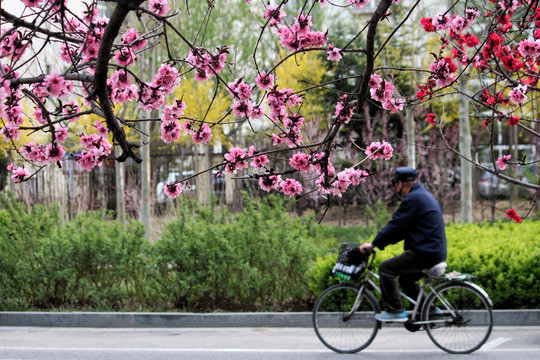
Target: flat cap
(405, 174)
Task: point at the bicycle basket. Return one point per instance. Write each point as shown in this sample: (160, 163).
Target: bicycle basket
(350, 263)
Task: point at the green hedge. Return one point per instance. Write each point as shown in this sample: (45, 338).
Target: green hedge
(210, 260)
(255, 261)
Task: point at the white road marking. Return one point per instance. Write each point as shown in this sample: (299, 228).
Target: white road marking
(205, 350)
(496, 342)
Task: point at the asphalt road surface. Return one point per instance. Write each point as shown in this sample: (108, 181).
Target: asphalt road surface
(37, 343)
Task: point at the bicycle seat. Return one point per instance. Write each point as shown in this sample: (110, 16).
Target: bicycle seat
(436, 271)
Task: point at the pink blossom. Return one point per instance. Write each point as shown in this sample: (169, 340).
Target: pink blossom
(264, 81)
(125, 56)
(442, 22)
(300, 162)
(124, 95)
(131, 37)
(359, 3)
(160, 7)
(54, 152)
(57, 86)
(32, 3)
(173, 189)
(235, 160)
(60, 134)
(259, 161)
(375, 81)
(170, 130)
(503, 161)
(291, 187)
(376, 150)
(517, 94)
(257, 112)
(275, 14)
(529, 48)
(19, 174)
(393, 105)
(166, 78)
(242, 108)
(10, 132)
(101, 129)
(202, 135)
(334, 53)
(269, 182)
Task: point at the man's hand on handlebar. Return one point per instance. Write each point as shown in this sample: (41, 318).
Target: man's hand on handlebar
(366, 247)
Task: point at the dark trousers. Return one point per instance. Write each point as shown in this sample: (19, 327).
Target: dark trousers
(408, 266)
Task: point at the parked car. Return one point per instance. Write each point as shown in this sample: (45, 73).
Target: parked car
(491, 186)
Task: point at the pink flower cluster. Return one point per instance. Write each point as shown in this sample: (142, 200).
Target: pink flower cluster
(160, 7)
(42, 154)
(383, 91)
(174, 189)
(19, 174)
(96, 148)
(455, 23)
(12, 44)
(517, 94)
(334, 53)
(341, 182)
(442, 70)
(503, 161)
(342, 113)
(299, 36)
(359, 3)
(170, 124)
(122, 90)
(280, 102)
(377, 150)
(54, 85)
(152, 95)
(206, 64)
(11, 110)
(529, 48)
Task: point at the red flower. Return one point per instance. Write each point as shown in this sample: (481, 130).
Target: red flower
(452, 67)
(513, 120)
(511, 213)
(471, 40)
(427, 24)
(431, 118)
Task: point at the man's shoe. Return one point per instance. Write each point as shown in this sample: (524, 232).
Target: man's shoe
(392, 317)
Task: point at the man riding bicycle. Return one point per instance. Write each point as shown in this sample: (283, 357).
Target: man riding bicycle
(419, 221)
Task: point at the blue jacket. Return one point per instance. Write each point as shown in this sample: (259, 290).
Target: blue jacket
(419, 221)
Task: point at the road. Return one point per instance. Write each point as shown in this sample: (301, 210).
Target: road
(37, 343)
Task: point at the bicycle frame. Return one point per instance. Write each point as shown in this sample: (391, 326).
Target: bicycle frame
(368, 280)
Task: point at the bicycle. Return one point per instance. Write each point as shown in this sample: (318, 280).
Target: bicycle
(457, 313)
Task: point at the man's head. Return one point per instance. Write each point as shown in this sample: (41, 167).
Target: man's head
(404, 178)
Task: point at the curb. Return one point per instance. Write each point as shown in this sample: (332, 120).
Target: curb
(188, 320)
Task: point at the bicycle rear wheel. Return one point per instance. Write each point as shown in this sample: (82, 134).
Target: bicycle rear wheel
(338, 326)
(468, 328)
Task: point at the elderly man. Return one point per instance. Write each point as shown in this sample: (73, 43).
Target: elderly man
(419, 221)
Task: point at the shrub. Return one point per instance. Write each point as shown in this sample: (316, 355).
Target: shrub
(257, 260)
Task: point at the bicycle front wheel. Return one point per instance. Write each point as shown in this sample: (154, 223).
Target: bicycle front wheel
(343, 320)
(458, 318)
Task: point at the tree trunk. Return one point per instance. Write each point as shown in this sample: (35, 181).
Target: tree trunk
(204, 182)
(119, 177)
(411, 139)
(465, 149)
(145, 165)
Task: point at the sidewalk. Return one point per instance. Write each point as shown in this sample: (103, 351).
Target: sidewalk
(186, 320)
